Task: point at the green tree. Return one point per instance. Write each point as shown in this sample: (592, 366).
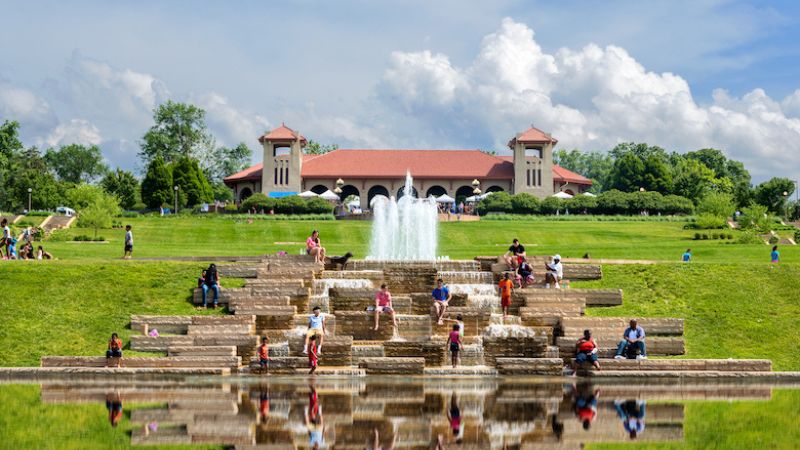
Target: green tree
(10, 149)
(226, 161)
(157, 184)
(99, 213)
(76, 163)
(315, 148)
(730, 175)
(123, 184)
(692, 179)
(179, 131)
(755, 217)
(770, 194)
(717, 204)
(593, 165)
(626, 175)
(82, 195)
(29, 171)
(192, 183)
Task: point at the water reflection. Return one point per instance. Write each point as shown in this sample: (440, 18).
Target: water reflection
(377, 413)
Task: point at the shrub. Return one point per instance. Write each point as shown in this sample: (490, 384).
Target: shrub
(749, 237)
(730, 236)
(705, 237)
(697, 236)
(259, 201)
(755, 217)
(583, 204)
(709, 222)
(773, 240)
(231, 207)
(318, 205)
(551, 204)
(524, 203)
(38, 213)
(797, 236)
(129, 214)
(714, 236)
(497, 202)
(718, 204)
(613, 202)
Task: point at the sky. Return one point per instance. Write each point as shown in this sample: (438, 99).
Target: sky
(443, 74)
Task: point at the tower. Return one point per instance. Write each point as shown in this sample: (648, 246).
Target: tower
(533, 162)
(283, 161)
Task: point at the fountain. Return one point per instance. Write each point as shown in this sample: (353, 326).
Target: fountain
(403, 229)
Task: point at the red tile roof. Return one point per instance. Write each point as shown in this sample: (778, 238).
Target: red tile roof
(282, 133)
(446, 164)
(533, 136)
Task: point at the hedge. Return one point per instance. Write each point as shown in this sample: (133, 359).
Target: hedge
(287, 205)
(607, 203)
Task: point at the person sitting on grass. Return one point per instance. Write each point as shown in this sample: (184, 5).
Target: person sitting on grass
(454, 342)
(585, 350)
(441, 298)
(212, 283)
(514, 253)
(632, 342)
(26, 252)
(263, 355)
(383, 304)
(114, 350)
(506, 286)
(313, 355)
(555, 272)
(42, 254)
(775, 256)
(12, 248)
(524, 274)
(316, 329)
(687, 255)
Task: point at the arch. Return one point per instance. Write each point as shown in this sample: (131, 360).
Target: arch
(436, 191)
(281, 149)
(319, 189)
(348, 190)
(495, 188)
(400, 192)
(463, 192)
(376, 190)
(244, 194)
(569, 191)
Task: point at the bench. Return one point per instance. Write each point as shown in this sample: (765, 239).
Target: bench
(232, 362)
(393, 366)
(664, 335)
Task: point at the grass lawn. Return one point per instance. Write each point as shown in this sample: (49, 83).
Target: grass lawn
(201, 235)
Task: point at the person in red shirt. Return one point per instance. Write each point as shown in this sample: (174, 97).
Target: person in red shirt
(383, 304)
(454, 342)
(585, 350)
(506, 286)
(263, 354)
(313, 359)
(114, 350)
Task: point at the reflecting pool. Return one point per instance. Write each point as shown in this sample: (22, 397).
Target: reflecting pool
(385, 413)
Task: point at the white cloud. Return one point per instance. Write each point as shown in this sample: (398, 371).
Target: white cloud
(229, 124)
(32, 112)
(76, 131)
(591, 98)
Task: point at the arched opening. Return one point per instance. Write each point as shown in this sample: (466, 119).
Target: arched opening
(495, 189)
(463, 192)
(400, 192)
(319, 189)
(244, 194)
(570, 192)
(348, 190)
(376, 190)
(281, 149)
(436, 191)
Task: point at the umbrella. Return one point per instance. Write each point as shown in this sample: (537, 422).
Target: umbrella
(308, 194)
(329, 195)
(589, 194)
(562, 195)
(470, 199)
(444, 198)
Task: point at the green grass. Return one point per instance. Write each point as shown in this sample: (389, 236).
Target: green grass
(201, 235)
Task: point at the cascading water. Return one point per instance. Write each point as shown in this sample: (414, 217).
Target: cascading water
(404, 229)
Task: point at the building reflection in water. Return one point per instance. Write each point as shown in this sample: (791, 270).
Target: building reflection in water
(383, 414)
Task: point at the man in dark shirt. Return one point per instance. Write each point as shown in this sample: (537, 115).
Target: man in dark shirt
(515, 254)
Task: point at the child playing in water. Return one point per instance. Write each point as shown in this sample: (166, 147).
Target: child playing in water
(454, 342)
(313, 359)
(506, 286)
(263, 354)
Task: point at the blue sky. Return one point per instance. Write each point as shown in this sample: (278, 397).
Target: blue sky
(413, 74)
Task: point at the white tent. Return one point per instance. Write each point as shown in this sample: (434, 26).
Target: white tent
(444, 198)
(589, 194)
(473, 198)
(329, 195)
(308, 194)
(562, 195)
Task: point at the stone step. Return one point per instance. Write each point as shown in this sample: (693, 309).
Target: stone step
(366, 351)
(135, 394)
(530, 366)
(548, 316)
(245, 344)
(591, 297)
(656, 346)
(222, 329)
(434, 353)
(718, 365)
(301, 321)
(258, 302)
(475, 320)
(360, 325)
(180, 324)
(652, 326)
(232, 362)
(513, 347)
(127, 374)
(464, 370)
(295, 293)
(393, 366)
(277, 282)
(182, 436)
(191, 350)
(571, 271)
(336, 350)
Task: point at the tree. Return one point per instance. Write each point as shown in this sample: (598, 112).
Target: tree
(755, 217)
(717, 204)
(770, 194)
(692, 179)
(157, 184)
(76, 163)
(123, 184)
(10, 149)
(82, 195)
(593, 165)
(192, 183)
(626, 175)
(730, 175)
(315, 148)
(29, 171)
(179, 131)
(226, 161)
(99, 213)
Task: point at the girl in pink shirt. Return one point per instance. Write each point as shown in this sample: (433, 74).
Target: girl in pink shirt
(314, 248)
(383, 304)
(454, 342)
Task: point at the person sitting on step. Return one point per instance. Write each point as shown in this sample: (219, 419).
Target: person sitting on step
(632, 343)
(114, 350)
(524, 274)
(316, 327)
(441, 299)
(585, 350)
(515, 254)
(212, 283)
(555, 272)
(383, 304)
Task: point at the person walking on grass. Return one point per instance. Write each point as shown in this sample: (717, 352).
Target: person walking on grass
(211, 282)
(263, 355)
(6, 239)
(687, 255)
(775, 256)
(441, 299)
(383, 304)
(114, 350)
(128, 243)
(454, 342)
(316, 329)
(506, 286)
(313, 355)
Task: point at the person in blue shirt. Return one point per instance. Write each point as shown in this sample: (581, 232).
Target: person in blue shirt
(775, 255)
(441, 298)
(632, 336)
(687, 256)
(632, 414)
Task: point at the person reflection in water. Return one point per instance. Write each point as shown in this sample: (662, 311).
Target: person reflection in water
(632, 414)
(114, 407)
(263, 404)
(585, 404)
(454, 416)
(315, 424)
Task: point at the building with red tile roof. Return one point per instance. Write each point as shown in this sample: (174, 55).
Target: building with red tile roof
(370, 172)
